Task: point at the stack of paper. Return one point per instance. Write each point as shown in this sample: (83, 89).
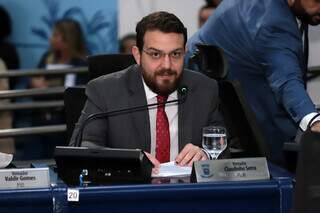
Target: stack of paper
(170, 169)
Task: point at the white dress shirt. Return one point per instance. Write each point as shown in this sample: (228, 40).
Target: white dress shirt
(172, 114)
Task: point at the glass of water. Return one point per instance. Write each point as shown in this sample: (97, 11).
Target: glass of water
(214, 140)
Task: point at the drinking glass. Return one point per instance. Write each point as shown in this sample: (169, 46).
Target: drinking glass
(214, 140)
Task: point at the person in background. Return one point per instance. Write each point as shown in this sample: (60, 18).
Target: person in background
(169, 132)
(8, 51)
(126, 43)
(8, 60)
(67, 50)
(264, 48)
(6, 144)
(206, 10)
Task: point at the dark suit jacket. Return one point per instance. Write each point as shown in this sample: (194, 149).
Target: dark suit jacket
(125, 89)
(263, 45)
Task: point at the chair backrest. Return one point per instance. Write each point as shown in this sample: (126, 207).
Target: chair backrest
(74, 100)
(210, 60)
(108, 63)
(240, 121)
(307, 187)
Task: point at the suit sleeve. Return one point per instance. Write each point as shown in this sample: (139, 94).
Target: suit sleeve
(95, 131)
(280, 53)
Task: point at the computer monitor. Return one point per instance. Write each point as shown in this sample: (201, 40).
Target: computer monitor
(102, 166)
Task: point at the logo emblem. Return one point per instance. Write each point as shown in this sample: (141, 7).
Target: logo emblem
(205, 171)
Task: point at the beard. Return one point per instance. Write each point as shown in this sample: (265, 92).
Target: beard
(166, 87)
(306, 18)
(302, 14)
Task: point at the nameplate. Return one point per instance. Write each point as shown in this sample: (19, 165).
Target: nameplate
(24, 178)
(230, 170)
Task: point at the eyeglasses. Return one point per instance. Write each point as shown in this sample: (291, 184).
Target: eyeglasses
(158, 55)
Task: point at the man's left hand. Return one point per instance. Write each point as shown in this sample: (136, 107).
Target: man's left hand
(189, 154)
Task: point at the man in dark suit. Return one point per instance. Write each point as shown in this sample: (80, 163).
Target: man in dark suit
(264, 47)
(159, 73)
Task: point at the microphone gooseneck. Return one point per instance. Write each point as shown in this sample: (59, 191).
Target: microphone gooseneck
(183, 91)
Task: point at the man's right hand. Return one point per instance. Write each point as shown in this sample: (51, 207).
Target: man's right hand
(155, 162)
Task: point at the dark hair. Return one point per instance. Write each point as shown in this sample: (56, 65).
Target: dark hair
(5, 23)
(72, 34)
(162, 21)
(212, 3)
(207, 6)
(122, 41)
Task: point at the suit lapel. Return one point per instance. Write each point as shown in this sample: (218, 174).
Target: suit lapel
(185, 117)
(140, 118)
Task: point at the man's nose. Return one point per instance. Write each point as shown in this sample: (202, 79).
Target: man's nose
(166, 62)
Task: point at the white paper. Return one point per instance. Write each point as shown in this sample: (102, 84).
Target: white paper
(5, 159)
(170, 169)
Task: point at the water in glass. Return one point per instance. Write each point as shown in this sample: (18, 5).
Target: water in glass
(214, 140)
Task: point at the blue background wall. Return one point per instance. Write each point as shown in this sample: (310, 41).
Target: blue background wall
(32, 22)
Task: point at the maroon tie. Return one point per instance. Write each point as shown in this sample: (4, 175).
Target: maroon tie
(163, 133)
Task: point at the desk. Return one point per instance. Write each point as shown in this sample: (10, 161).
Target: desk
(39, 200)
(264, 196)
(26, 201)
(273, 195)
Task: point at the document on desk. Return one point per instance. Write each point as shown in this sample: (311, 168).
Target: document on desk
(170, 169)
(5, 159)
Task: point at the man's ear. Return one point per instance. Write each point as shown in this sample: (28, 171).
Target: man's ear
(136, 54)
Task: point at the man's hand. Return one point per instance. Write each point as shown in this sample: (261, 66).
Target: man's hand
(155, 162)
(316, 126)
(189, 154)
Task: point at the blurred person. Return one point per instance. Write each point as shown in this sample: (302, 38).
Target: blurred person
(8, 51)
(206, 11)
(127, 42)
(264, 48)
(8, 60)
(6, 144)
(67, 49)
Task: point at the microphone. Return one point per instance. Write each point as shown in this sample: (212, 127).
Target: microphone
(182, 90)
